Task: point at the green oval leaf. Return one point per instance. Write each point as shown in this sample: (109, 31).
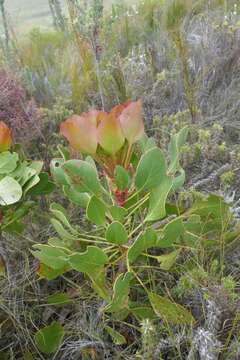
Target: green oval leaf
(118, 213)
(49, 339)
(53, 257)
(169, 311)
(58, 173)
(172, 232)
(90, 261)
(157, 201)
(44, 186)
(177, 141)
(168, 260)
(96, 211)
(150, 170)
(8, 162)
(121, 291)
(76, 197)
(117, 338)
(122, 178)
(10, 191)
(116, 233)
(144, 241)
(83, 175)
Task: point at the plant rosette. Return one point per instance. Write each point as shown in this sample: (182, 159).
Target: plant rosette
(136, 226)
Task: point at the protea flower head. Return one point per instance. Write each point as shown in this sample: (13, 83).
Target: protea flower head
(109, 131)
(5, 137)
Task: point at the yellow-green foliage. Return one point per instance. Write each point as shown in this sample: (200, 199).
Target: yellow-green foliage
(227, 178)
(175, 12)
(83, 76)
(41, 48)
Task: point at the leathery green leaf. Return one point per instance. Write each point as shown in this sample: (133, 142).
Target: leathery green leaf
(8, 162)
(83, 174)
(117, 338)
(122, 178)
(157, 201)
(118, 213)
(169, 311)
(121, 291)
(43, 187)
(49, 339)
(168, 260)
(177, 141)
(60, 213)
(96, 211)
(116, 233)
(62, 232)
(76, 197)
(143, 312)
(10, 191)
(150, 170)
(58, 174)
(55, 258)
(144, 241)
(48, 273)
(90, 261)
(98, 278)
(172, 232)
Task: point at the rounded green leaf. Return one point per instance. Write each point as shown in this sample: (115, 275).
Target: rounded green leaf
(58, 173)
(117, 338)
(48, 273)
(157, 201)
(122, 178)
(118, 213)
(116, 233)
(121, 291)
(83, 175)
(43, 187)
(8, 162)
(53, 257)
(76, 197)
(172, 232)
(143, 242)
(169, 311)
(49, 339)
(90, 261)
(143, 312)
(10, 191)
(151, 169)
(177, 141)
(96, 211)
(168, 260)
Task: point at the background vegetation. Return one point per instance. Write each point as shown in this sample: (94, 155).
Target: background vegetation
(182, 59)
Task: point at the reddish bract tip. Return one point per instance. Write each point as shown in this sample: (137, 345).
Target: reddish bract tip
(81, 133)
(5, 137)
(131, 120)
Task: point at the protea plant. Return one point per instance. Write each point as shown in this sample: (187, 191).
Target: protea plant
(107, 137)
(133, 226)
